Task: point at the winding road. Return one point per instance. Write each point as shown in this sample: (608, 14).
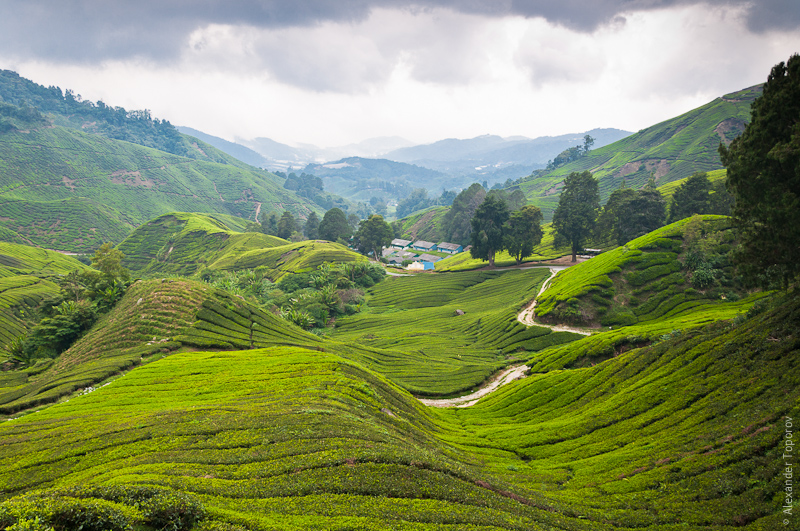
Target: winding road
(503, 377)
(526, 317)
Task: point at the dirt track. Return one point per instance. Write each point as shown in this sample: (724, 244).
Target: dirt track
(504, 377)
(527, 315)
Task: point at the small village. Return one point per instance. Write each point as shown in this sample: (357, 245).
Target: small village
(401, 253)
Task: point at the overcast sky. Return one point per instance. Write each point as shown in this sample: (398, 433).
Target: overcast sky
(332, 72)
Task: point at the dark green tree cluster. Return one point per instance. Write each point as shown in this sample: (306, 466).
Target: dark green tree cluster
(305, 185)
(494, 228)
(571, 154)
(334, 226)
(284, 226)
(138, 127)
(698, 196)
(764, 177)
(83, 297)
(630, 213)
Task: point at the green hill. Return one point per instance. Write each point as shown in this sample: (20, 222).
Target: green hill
(673, 269)
(184, 243)
(64, 189)
(669, 151)
(27, 276)
(685, 433)
(419, 341)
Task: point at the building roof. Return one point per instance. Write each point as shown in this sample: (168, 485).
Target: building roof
(429, 258)
(423, 243)
(448, 246)
(397, 242)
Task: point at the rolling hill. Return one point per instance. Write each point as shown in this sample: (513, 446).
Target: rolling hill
(668, 151)
(184, 243)
(267, 427)
(72, 191)
(75, 174)
(27, 275)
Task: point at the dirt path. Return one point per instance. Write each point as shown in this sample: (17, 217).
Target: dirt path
(527, 316)
(504, 377)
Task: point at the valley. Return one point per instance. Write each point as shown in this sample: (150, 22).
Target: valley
(190, 369)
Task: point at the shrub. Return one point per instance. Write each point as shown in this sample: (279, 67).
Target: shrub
(172, 511)
(619, 318)
(703, 278)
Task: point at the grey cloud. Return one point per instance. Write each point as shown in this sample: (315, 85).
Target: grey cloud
(87, 31)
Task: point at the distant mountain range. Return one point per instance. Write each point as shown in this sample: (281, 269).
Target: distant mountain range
(390, 167)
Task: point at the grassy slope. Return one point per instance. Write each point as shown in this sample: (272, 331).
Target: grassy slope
(155, 317)
(421, 344)
(66, 189)
(688, 432)
(26, 276)
(684, 434)
(645, 280)
(182, 243)
(673, 150)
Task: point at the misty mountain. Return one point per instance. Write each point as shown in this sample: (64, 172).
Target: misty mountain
(360, 179)
(283, 157)
(233, 149)
(490, 154)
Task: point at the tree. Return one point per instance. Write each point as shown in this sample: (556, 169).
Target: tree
(487, 228)
(373, 235)
(764, 177)
(107, 283)
(269, 223)
(311, 228)
(640, 213)
(456, 223)
(286, 225)
(576, 213)
(523, 232)
(588, 142)
(334, 225)
(608, 220)
(691, 197)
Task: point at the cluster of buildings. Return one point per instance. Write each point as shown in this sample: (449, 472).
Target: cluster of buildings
(417, 253)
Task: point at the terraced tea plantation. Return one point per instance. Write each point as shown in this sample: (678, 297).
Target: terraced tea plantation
(26, 277)
(187, 407)
(288, 437)
(420, 341)
(183, 243)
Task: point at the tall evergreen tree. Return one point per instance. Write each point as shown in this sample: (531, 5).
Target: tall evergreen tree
(764, 177)
(456, 223)
(487, 228)
(311, 228)
(691, 197)
(269, 223)
(576, 215)
(286, 225)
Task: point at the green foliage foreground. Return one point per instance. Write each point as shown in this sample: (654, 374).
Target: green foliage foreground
(687, 433)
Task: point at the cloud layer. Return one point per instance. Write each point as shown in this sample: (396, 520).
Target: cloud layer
(93, 30)
(333, 72)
